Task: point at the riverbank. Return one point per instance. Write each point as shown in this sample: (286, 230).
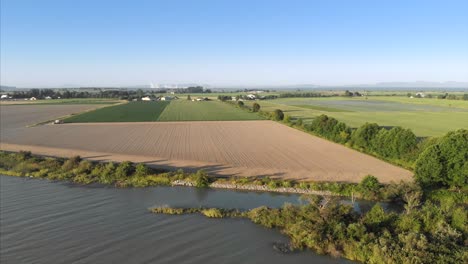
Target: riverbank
(128, 174)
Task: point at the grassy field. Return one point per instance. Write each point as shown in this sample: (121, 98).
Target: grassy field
(129, 112)
(426, 117)
(183, 110)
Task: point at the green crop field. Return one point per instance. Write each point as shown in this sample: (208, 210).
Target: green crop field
(129, 112)
(184, 110)
(426, 117)
(177, 110)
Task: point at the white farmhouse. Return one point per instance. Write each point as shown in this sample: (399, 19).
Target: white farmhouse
(4, 96)
(251, 96)
(166, 98)
(146, 98)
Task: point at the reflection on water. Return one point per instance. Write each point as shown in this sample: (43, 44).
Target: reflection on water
(46, 222)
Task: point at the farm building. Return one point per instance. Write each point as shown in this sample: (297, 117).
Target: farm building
(33, 98)
(166, 98)
(146, 98)
(4, 96)
(251, 96)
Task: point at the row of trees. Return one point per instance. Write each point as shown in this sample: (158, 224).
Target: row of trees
(192, 89)
(69, 93)
(442, 96)
(394, 143)
(97, 93)
(303, 94)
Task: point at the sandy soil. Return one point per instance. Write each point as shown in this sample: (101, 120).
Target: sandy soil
(243, 148)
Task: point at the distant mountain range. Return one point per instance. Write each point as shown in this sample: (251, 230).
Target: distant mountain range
(419, 84)
(381, 85)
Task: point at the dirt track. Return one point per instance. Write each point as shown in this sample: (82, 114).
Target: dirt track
(244, 148)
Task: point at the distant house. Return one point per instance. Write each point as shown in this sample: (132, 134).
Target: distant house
(420, 95)
(48, 98)
(251, 96)
(4, 96)
(33, 98)
(233, 98)
(202, 99)
(146, 98)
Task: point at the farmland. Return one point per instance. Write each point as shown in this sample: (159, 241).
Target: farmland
(183, 110)
(426, 117)
(253, 148)
(177, 110)
(129, 112)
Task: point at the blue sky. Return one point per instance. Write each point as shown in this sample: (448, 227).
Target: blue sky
(107, 43)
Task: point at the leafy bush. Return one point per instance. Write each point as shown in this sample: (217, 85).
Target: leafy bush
(330, 128)
(255, 107)
(444, 164)
(212, 213)
(369, 186)
(200, 179)
(142, 170)
(124, 170)
(278, 115)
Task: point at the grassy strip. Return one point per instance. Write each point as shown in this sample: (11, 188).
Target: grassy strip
(127, 174)
(434, 232)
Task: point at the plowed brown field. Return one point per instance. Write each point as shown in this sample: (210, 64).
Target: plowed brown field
(243, 148)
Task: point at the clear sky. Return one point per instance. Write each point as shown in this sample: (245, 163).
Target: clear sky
(235, 42)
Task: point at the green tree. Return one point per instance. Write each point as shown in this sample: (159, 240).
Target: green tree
(364, 135)
(200, 179)
(278, 115)
(445, 164)
(189, 98)
(240, 104)
(369, 186)
(255, 107)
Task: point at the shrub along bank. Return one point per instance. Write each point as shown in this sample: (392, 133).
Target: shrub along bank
(429, 232)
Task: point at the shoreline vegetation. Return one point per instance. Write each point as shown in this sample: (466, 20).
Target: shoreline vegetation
(425, 232)
(128, 174)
